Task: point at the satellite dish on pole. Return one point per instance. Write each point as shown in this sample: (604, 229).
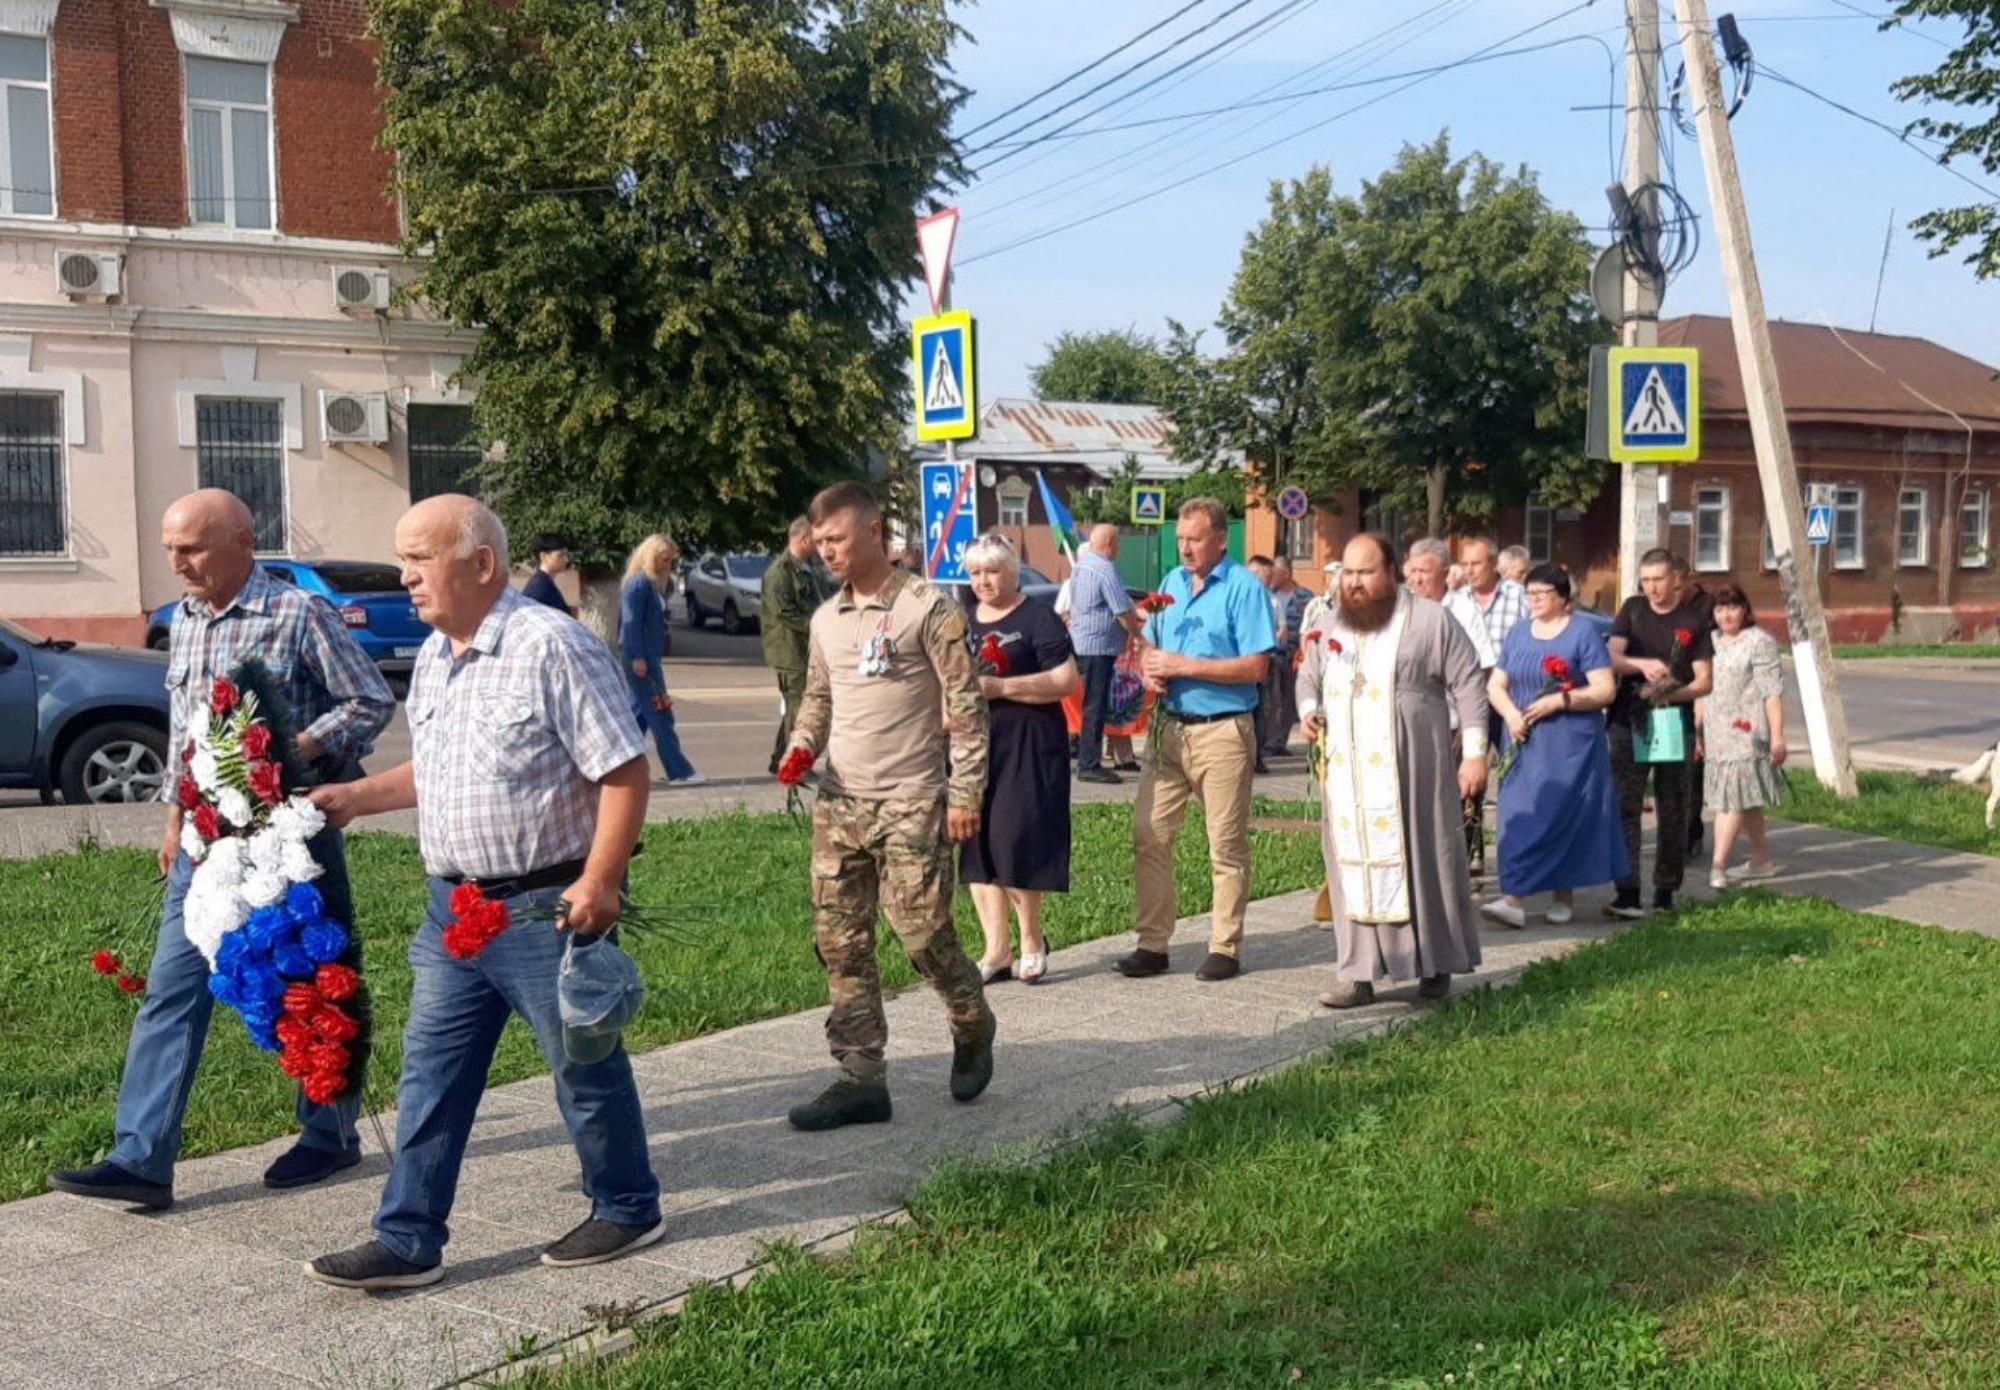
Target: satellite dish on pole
(1607, 283)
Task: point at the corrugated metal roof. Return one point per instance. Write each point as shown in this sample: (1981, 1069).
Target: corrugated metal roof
(1846, 376)
(1096, 436)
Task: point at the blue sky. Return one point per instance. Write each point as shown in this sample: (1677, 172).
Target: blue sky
(1820, 185)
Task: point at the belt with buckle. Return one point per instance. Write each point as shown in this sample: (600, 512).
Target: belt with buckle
(508, 885)
(1180, 718)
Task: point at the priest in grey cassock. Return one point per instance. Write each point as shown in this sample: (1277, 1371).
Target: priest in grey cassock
(1382, 673)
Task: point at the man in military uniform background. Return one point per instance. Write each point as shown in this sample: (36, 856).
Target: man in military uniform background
(890, 688)
(792, 592)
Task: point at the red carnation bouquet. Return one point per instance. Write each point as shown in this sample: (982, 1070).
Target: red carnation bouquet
(793, 770)
(1155, 602)
(992, 657)
(1557, 679)
(476, 920)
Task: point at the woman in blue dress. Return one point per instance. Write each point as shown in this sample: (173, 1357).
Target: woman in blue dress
(1559, 828)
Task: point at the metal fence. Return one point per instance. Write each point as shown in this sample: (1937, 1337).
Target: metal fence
(32, 520)
(443, 451)
(240, 445)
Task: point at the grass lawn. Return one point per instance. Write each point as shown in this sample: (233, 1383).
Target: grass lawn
(1871, 651)
(1749, 1146)
(1899, 806)
(63, 1030)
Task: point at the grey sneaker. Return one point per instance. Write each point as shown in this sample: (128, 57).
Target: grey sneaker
(372, 1266)
(595, 1242)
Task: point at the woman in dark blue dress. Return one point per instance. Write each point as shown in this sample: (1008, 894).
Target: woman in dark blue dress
(1022, 848)
(1559, 827)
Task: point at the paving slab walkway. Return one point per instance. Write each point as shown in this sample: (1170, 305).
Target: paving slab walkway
(210, 1292)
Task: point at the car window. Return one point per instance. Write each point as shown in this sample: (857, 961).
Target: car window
(711, 565)
(748, 566)
(360, 576)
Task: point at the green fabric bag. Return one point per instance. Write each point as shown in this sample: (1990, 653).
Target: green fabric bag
(1659, 735)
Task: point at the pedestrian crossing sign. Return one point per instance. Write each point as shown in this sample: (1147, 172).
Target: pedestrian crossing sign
(1655, 405)
(1819, 523)
(1149, 506)
(947, 401)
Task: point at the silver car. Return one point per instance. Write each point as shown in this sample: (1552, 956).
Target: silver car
(729, 587)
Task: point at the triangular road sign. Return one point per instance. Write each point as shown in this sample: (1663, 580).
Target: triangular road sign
(942, 393)
(1654, 412)
(935, 235)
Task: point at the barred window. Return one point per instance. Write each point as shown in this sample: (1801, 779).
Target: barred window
(240, 446)
(444, 454)
(33, 514)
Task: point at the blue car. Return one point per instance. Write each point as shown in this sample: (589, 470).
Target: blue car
(89, 722)
(368, 595)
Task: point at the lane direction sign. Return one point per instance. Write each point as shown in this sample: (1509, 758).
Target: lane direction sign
(947, 397)
(1654, 408)
(948, 520)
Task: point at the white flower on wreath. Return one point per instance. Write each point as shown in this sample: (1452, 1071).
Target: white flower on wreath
(207, 773)
(236, 808)
(225, 865)
(262, 889)
(299, 865)
(298, 820)
(267, 851)
(210, 912)
(192, 845)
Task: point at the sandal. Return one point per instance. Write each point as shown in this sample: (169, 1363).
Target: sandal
(994, 974)
(1034, 965)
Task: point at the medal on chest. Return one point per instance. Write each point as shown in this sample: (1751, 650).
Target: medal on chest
(878, 652)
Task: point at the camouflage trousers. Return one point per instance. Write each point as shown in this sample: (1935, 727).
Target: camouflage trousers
(891, 855)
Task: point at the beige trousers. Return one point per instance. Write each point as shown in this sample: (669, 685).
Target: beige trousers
(1210, 764)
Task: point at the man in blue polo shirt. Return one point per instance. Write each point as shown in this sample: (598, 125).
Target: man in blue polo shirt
(1206, 654)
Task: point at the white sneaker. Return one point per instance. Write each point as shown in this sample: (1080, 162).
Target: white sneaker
(1502, 911)
(1752, 873)
(695, 781)
(1560, 914)
(1719, 879)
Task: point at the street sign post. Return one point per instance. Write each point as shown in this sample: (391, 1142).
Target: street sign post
(1654, 409)
(1819, 523)
(948, 520)
(947, 396)
(1293, 503)
(1149, 506)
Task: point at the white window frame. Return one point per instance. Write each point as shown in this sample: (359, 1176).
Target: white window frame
(1011, 495)
(1979, 554)
(1713, 502)
(1920, 498)
(1857, 508)
(47, 88)
(1540, 520)
(231, 203)
(1297, 536)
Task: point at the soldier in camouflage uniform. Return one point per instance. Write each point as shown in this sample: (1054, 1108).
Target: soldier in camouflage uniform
(792, 594)
(891, 687)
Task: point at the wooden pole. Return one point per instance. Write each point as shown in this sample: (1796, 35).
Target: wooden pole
(1812, 650)
(1639, 483)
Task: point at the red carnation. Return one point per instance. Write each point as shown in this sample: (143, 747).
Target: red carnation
(1155, 602)
(993, 655)
(222, 699)
(1684, 636)
(792, 771)
(293, 1062)
(329, 1057)
(106, 963)
(257, 740)
(334, 1026)
(1555, 668)
(337, 982)
(187, 794)
(132, 984)
(267, 780)
(292, 1032)
(207, 823)
(1744, 725)
(323, 1088)
(463, 898)
(1333, 644)
(301, 999)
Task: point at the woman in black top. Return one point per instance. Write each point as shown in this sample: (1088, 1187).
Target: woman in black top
(1022, 848)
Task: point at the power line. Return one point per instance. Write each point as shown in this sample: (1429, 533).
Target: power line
(1089, 67)
(1902, 137)
(1417, 79)
(1889, 21)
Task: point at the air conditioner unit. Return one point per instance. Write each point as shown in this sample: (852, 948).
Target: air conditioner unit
(354, 417)
(360, 287)
(89, 274)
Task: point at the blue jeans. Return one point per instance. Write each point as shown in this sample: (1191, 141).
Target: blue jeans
(172, 1026)
(659, 723)
(1096, 672)
(457, 1010)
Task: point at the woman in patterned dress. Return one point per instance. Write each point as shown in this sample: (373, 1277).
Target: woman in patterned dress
(1741, 725)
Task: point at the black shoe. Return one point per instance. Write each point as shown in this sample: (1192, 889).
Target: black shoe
(848, 1101)
(1663, 900)
(1142, 963)
(595, 1242)
(1129, 765)
(1218, 967)
(972, 1063)
(1625, 906)
(1099, 774)
(1263, 768)
(304, 1165)
(372, 1266)
(1434, 987)
(108, 1182)
(1694, 841)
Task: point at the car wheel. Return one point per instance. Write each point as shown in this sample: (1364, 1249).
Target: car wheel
(158, 639)
(696, 618)
(732, 621)
(121, 761)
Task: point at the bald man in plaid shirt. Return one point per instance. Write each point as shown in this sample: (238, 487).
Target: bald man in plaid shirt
(530, 782)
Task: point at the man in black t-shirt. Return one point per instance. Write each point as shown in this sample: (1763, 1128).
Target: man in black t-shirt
(1662, 654)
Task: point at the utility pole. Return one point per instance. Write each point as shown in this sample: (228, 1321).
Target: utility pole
(1812, 651)
(1639, 483)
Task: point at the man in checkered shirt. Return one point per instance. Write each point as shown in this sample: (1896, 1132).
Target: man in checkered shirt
(530, 781)
(339, 703)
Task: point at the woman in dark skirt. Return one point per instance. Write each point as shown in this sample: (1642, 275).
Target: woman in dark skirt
(1022, 848)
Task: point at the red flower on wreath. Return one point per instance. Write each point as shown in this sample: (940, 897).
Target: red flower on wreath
(267, 780)
(257, 740)
(207, 822)
(106, 963)
(187, 795)
(337, 982)
(797, 763)
(224, 696)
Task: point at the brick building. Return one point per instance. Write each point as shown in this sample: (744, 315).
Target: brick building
(197, 249)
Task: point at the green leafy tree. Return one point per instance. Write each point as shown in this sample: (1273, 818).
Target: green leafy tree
(1428, 339)
(1968, 78)
(683, 228)
(1121, 368)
